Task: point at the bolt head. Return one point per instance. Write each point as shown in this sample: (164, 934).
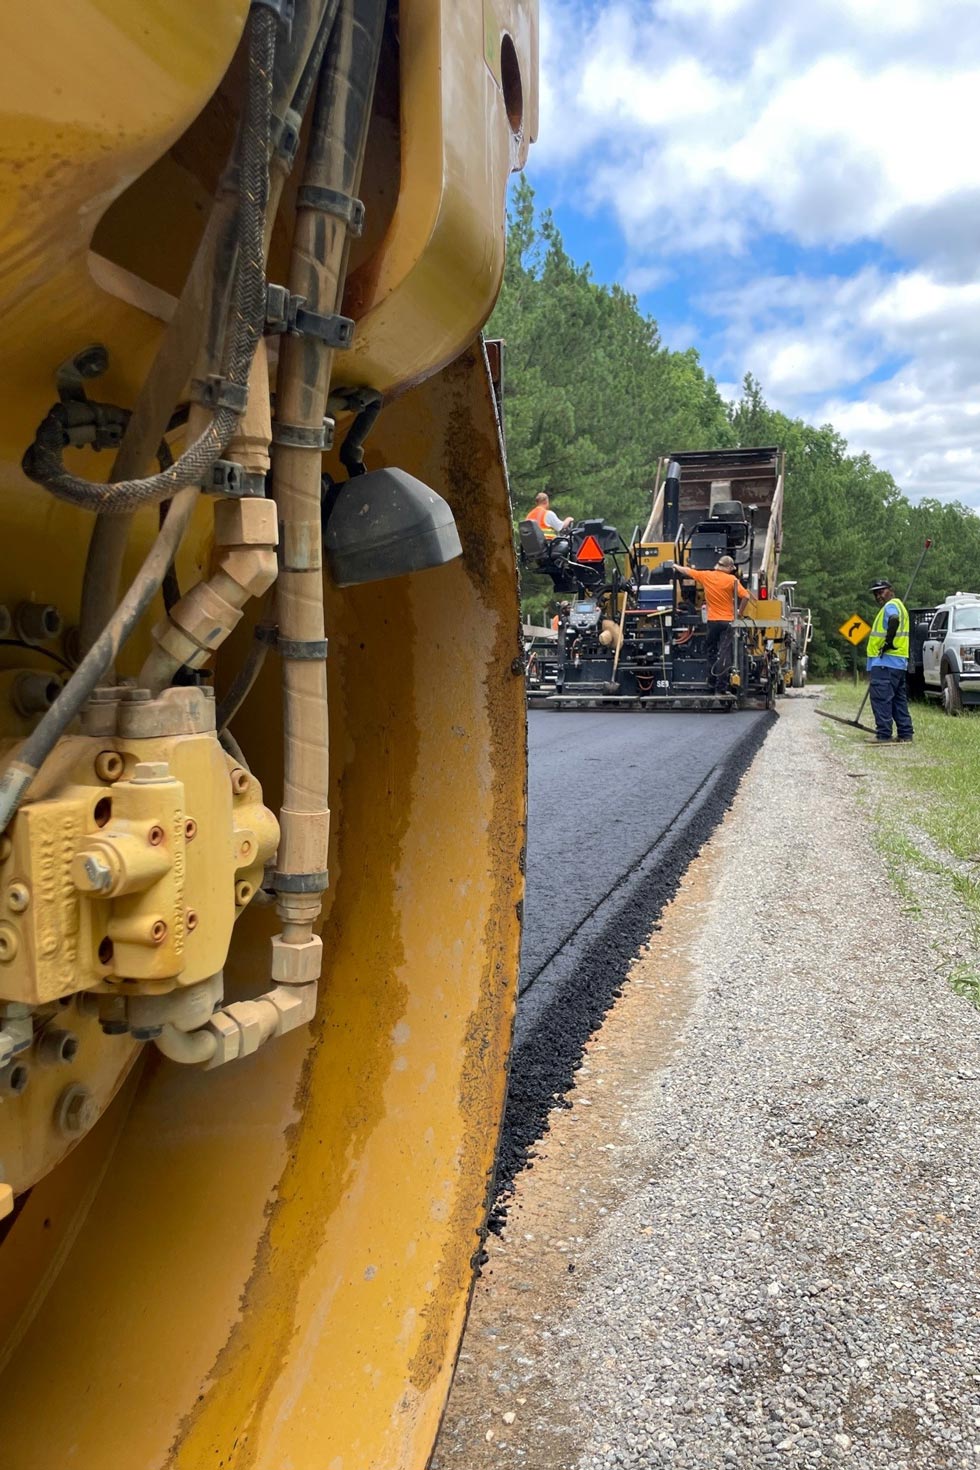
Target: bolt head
(18, 897)
(90, 872)
(76, 1109)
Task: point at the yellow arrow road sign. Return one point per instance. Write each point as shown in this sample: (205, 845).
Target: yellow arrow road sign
(855, 630)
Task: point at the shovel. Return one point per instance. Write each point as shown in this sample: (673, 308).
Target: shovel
(611, 686)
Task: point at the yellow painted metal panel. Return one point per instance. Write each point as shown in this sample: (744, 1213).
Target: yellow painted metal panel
(277, 1265)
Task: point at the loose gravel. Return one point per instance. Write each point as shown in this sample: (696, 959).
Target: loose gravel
(755, 1233)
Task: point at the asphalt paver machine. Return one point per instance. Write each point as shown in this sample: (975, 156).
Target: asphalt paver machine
(633, 633)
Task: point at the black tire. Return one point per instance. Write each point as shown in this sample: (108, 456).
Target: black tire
(952, 699)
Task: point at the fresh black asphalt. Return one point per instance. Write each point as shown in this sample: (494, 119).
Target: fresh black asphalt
(619, 803)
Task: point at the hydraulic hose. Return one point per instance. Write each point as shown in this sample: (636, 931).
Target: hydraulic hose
(43, 461)
(320, 250)
(90, 672)
(202, 300)
(248, 322)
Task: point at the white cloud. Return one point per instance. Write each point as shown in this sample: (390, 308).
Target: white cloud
(708, 126)
(812, 341)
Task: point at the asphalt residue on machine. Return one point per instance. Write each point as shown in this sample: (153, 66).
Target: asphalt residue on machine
(576, 957)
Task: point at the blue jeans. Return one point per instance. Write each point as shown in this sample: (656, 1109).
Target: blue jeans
(889, 702)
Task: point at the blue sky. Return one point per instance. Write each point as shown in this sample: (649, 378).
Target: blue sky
(794, 189)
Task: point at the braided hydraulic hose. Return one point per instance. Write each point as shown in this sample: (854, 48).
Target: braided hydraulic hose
(43, 461)
(247, 328)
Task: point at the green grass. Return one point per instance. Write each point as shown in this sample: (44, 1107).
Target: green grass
(924, 801)
(939, 775)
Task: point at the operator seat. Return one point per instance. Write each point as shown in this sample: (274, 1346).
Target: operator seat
(534, 543)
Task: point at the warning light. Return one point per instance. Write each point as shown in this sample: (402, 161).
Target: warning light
(590, 550)
(763, 592)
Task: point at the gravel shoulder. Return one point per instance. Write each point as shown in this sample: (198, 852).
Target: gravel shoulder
(750, 1237)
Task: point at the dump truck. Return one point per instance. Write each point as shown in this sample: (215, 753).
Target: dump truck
(261, 817)
(633, 634)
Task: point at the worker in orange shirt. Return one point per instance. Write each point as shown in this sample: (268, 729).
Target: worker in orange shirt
(726, 600)
(544, 516)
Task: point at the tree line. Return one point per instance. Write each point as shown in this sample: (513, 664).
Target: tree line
(592, 398)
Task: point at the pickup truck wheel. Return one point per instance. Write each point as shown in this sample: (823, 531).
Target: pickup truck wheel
(952, 699)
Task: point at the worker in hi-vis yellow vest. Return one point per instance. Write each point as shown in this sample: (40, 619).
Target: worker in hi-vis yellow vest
(888, 661)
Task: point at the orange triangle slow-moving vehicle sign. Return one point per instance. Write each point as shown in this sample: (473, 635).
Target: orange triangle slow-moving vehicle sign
(590, 550)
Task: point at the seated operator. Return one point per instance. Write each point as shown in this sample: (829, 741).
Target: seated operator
(726, 600)
(543, 516)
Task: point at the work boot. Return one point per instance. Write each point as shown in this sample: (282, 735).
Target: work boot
(878, 740)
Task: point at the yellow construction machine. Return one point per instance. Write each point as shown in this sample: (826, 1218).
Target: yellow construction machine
(261, 801)
(633, 633)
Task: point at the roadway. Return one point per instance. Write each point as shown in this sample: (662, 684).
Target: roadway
(619, 802)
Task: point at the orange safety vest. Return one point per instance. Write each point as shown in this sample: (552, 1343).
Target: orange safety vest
(537, 515)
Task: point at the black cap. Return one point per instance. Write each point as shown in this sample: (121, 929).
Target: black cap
(882, 585)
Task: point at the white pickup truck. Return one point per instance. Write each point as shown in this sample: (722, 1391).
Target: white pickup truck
(951, 653)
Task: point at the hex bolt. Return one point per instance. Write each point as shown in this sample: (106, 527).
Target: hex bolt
(76, 1109)
(239, 781)
(18, 897)
(91, 873)
(14, 1078)
(37, 622)
(56, 1047)
(109, 765)
(9, 943)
